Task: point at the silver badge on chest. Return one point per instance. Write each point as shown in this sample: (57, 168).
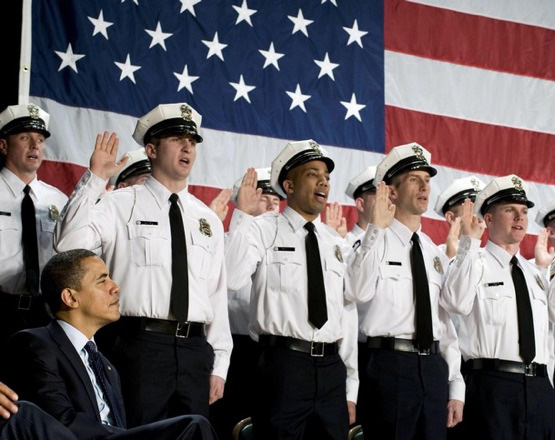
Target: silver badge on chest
(204, 227)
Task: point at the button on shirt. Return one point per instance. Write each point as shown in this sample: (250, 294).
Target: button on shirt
(479, 287)
(380, 274)
(131, 226)
(78, 340)
(49, 201)
(271, 248)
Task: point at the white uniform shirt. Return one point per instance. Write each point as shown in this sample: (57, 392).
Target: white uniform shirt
(131, 226)
(271, 248)
(480, 288)
(380, 273)
(238, 304)
(49, 202)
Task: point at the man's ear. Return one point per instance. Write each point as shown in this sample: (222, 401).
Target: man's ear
(450, 217)
(150, 150)
(488, 219)
(359, 203)
(393, 194)
(4, 146)
(69, 298)
(288, 186)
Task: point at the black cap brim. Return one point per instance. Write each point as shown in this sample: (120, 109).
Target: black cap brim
(302, 158)
(174, 126)
(510, 195)
(411, 163)
(22, 125)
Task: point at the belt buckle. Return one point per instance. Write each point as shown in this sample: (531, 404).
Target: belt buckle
(314, 352)
(424, 351)
(181, 326)
(24, 302)
(530, 370)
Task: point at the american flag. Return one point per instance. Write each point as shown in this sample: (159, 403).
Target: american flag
(471, 81)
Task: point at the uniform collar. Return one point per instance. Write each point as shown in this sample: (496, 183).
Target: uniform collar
(15, 184)
(297, 221)
(403, 233)
(500, 254)
(162, 194)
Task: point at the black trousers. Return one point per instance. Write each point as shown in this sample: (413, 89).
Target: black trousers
(508, 406)
(32, 423)
(238, 401)
(162, 376)
(403, 396)
(291, 387)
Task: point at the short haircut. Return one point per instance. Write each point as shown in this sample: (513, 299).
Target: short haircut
(63, 270)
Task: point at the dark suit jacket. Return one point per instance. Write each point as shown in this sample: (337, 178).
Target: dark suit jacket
(44, 368)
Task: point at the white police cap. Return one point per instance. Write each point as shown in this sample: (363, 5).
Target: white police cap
(457, 192)
(23, 117)
(546, 214)
(293, 155)
(168, 119)
(403, 158)
(362, 182)
(263, 182)
(137, 163)
(506, 189)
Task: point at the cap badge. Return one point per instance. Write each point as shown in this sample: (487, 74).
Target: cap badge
(54, 213)
(186, 112)
(517, 183)
(418, 152)
(540, 282)
(438, 266)
(33, 111)
(315, 147)
(338, 254)
(205, 228)
(475, 184)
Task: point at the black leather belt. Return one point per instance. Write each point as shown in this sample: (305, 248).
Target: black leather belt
(177, 329)
(314, 349)
(23, 302)
(396, 344)
(504, 366)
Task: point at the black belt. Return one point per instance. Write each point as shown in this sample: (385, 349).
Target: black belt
(314, 349)
(177, 329)
(504, 366)
(407, 345)
(23, 302)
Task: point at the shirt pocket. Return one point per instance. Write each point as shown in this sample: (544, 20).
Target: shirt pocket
(334, 272)
(10, 235)
(493, 300)
(150, 245)
(200, 254)
(395, 287)
(285, 270)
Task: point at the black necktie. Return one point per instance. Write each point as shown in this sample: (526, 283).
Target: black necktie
(526, 338)
(317, 310)
(180, 276)
(424, 330)
(30, 247)
(97, 364)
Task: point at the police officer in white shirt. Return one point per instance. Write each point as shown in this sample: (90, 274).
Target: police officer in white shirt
(544, 252)
(449, 205)
(308, 364)
(169, 365)
(362, 190)
(135, 172)
(25, 245)
(505, 314)
(411, 386)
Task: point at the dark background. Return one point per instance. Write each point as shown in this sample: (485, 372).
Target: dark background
(10, 36)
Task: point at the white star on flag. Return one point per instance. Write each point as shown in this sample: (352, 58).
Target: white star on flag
(215, 47)
(326, 67)
(158, 37)
(353, 108)
(300, 22)
(333, 2)
(127, 69)
(244, 13)
(298, 99)
(100, 26)
(185, 80)
(271, 56)
(242, 90)
(68, 58)
(355, 34)
(189, 5)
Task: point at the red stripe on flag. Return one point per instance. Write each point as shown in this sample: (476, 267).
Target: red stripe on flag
(473, 146)
(488, 43)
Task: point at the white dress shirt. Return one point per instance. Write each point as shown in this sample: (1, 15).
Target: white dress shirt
(381, 274)
(79, 340)
(479, 287)
(131, 227)
(271, 248)
(49, 202)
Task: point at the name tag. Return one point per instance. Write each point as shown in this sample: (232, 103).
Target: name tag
(498, 283)
(146, 222)
(7, 214)
(393, 263)
(284, 249)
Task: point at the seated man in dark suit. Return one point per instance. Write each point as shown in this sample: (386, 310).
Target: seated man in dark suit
(58, 368)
